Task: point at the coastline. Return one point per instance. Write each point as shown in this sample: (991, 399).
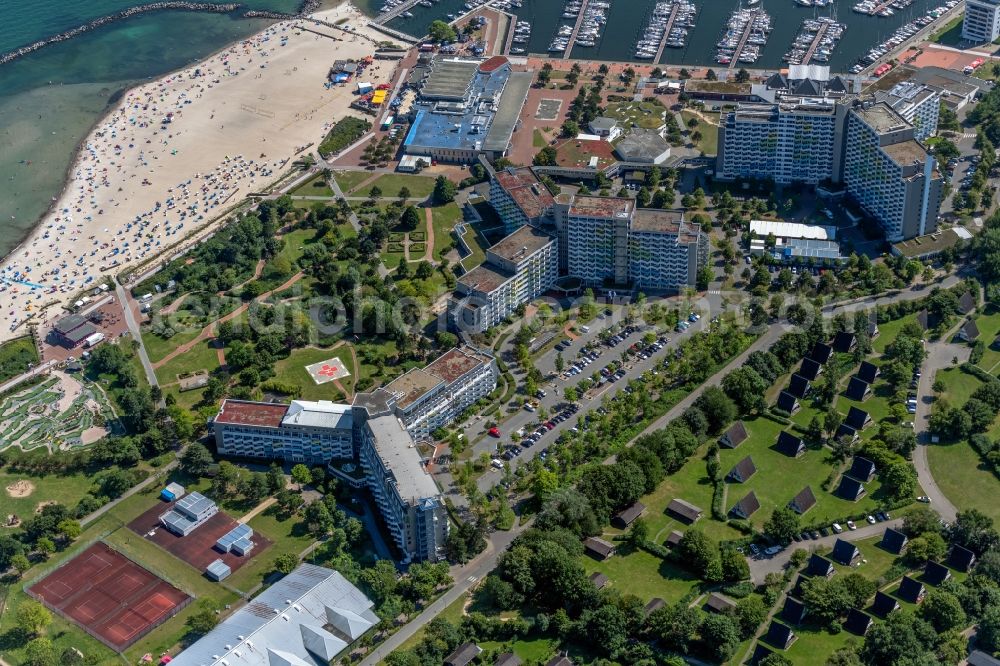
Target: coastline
(39, 230)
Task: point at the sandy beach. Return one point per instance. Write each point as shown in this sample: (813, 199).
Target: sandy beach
(176, 152)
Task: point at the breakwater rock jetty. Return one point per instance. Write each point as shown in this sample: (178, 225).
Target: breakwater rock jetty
(119, 16)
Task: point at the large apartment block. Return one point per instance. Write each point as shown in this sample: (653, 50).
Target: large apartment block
(889, 174)
(982, 21)
(517, 270)
(596, 230)
(918, 105)
(790, 141)
(519, 198)
(370, 443)
(664, 250)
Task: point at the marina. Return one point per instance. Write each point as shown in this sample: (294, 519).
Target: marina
(884, 9)
(631, 20)
(815, 41)
(744, 36)
(668, 25)
(903, 33)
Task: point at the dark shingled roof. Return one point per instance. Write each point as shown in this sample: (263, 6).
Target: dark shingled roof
(820, 566)
(789, 444)
(684, 510)
(599, 580)
(793, 612)
(858, 622)
(734, 436)
(559, 660)
(893, 541)
(463, 655)
(780, 635)
(674, 537)
(654, 604)
(845, 552)
(599, 547)
(747, 506)
(923, 319)
(743, 470)
(910, 590)
(936, 573)
(884, 604)
(799, 386)
(961, 558)
(857, 418)
(720, 603)
(868, 372)
(810, 369)
(845, 431)
(857, 389)
(760, 653)
(821, 352)
(980, 658)
(862, 469)
(787, 402)
(970, 331)
(967, 303)
(508, 659)
(804, 501)
(844, 342)
(628, 516)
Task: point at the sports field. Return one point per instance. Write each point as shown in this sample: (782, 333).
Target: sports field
(110, 596)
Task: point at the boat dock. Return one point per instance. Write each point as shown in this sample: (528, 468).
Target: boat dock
(576, 30)
(880, 7)
(666, 33)
(396, 11)
(815, 44)
(747, 30)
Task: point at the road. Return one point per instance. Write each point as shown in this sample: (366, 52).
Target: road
(939, 355)
(465, 578)
(133, 327)
(761, 567)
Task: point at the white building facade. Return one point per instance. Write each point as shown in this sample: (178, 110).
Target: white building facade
(982, 21)
(665, 252)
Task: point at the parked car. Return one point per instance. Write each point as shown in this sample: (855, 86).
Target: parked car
(494, 432)
(925, 499)
(837, 528)
(851, 525)
(870, 519)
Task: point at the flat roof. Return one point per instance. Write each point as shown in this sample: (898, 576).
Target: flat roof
(522, 243)
(577, 153)
(642, 144)
(411, 385)
(508, 111)
(485, 278)
(881, 117)
(449, 78)
(609, 207)
(395, 447)
(323, 414)
(792, 230)
(655, 220)
(906, 153)
(528, 193)
(67, 324)
(257, 414)
(456, 362)
(931, 243)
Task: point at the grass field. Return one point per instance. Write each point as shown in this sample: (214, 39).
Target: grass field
(642, 114)
(888, 331)
(989, 327)
(348, 180)
(291, 370)
(200, 357)
(960, 474)
(66, 489)
(314, 187)
(15, 357)
(158, 347)
(959, 386)
(444, 218)
(391, 183)
(950, 34)
(644, 575)
(708, 143)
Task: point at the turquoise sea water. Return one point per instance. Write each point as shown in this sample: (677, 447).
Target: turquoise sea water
(51, 98)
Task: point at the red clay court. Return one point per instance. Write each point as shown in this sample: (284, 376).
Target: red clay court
(197, 548)
(111, 597)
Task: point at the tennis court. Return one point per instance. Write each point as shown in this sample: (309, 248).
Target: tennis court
(111, 597)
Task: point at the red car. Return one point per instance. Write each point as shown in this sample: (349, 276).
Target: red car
(494, 432)
(550, 425)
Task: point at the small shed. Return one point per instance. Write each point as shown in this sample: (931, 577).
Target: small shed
(684, 510)
(218, 570)
(463, 655)
(742, 471)
(734, 436)
(599, 580)
(508, 659)
(599, 548)
(674, 537)
(884, 605)
(747, 506)
(804, 501)
(858, 389)
(720, 603)
(787, 402)
(172, 493)
(911, 590)
(654, 604)
(628, 516)
(845, 552)
(893, 541)
(790, 445)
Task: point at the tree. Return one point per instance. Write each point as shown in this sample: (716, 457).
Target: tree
(203, 621)
(988, 634)
(926, 547)
(718, 408)
(750, 613)
(742, 76)
(899, 479)
(285, 563)
(943, 610)
(746, 388)
(410, 218)
(39, 652)
(734, 565)
(32, 617)
(196, 460)
(700, 554)
(440, 31)
(21, 563)
(676, 626)
(547, 156)
(444, 190)
(9, 548)
(302, 475)
(775, 659)
(901, 638)
(720, 636)
(974, 530)
(783, 524)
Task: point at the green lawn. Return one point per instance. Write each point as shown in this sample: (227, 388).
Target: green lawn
(815, 645)
(950, 34)
(158, 347)
(538, 139)
(644, 575)
(961, 476)
(297, 241)
(287, 536)
(959, 386)
(15, 357)
(291, 370)
(444, 218)
(646, 115)
(66, 489)
(989, 327)
(391, 183)
(314, 187)
(708, 143)
(200, 357)
(530, 650)
(348, 180)
(888, 331)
